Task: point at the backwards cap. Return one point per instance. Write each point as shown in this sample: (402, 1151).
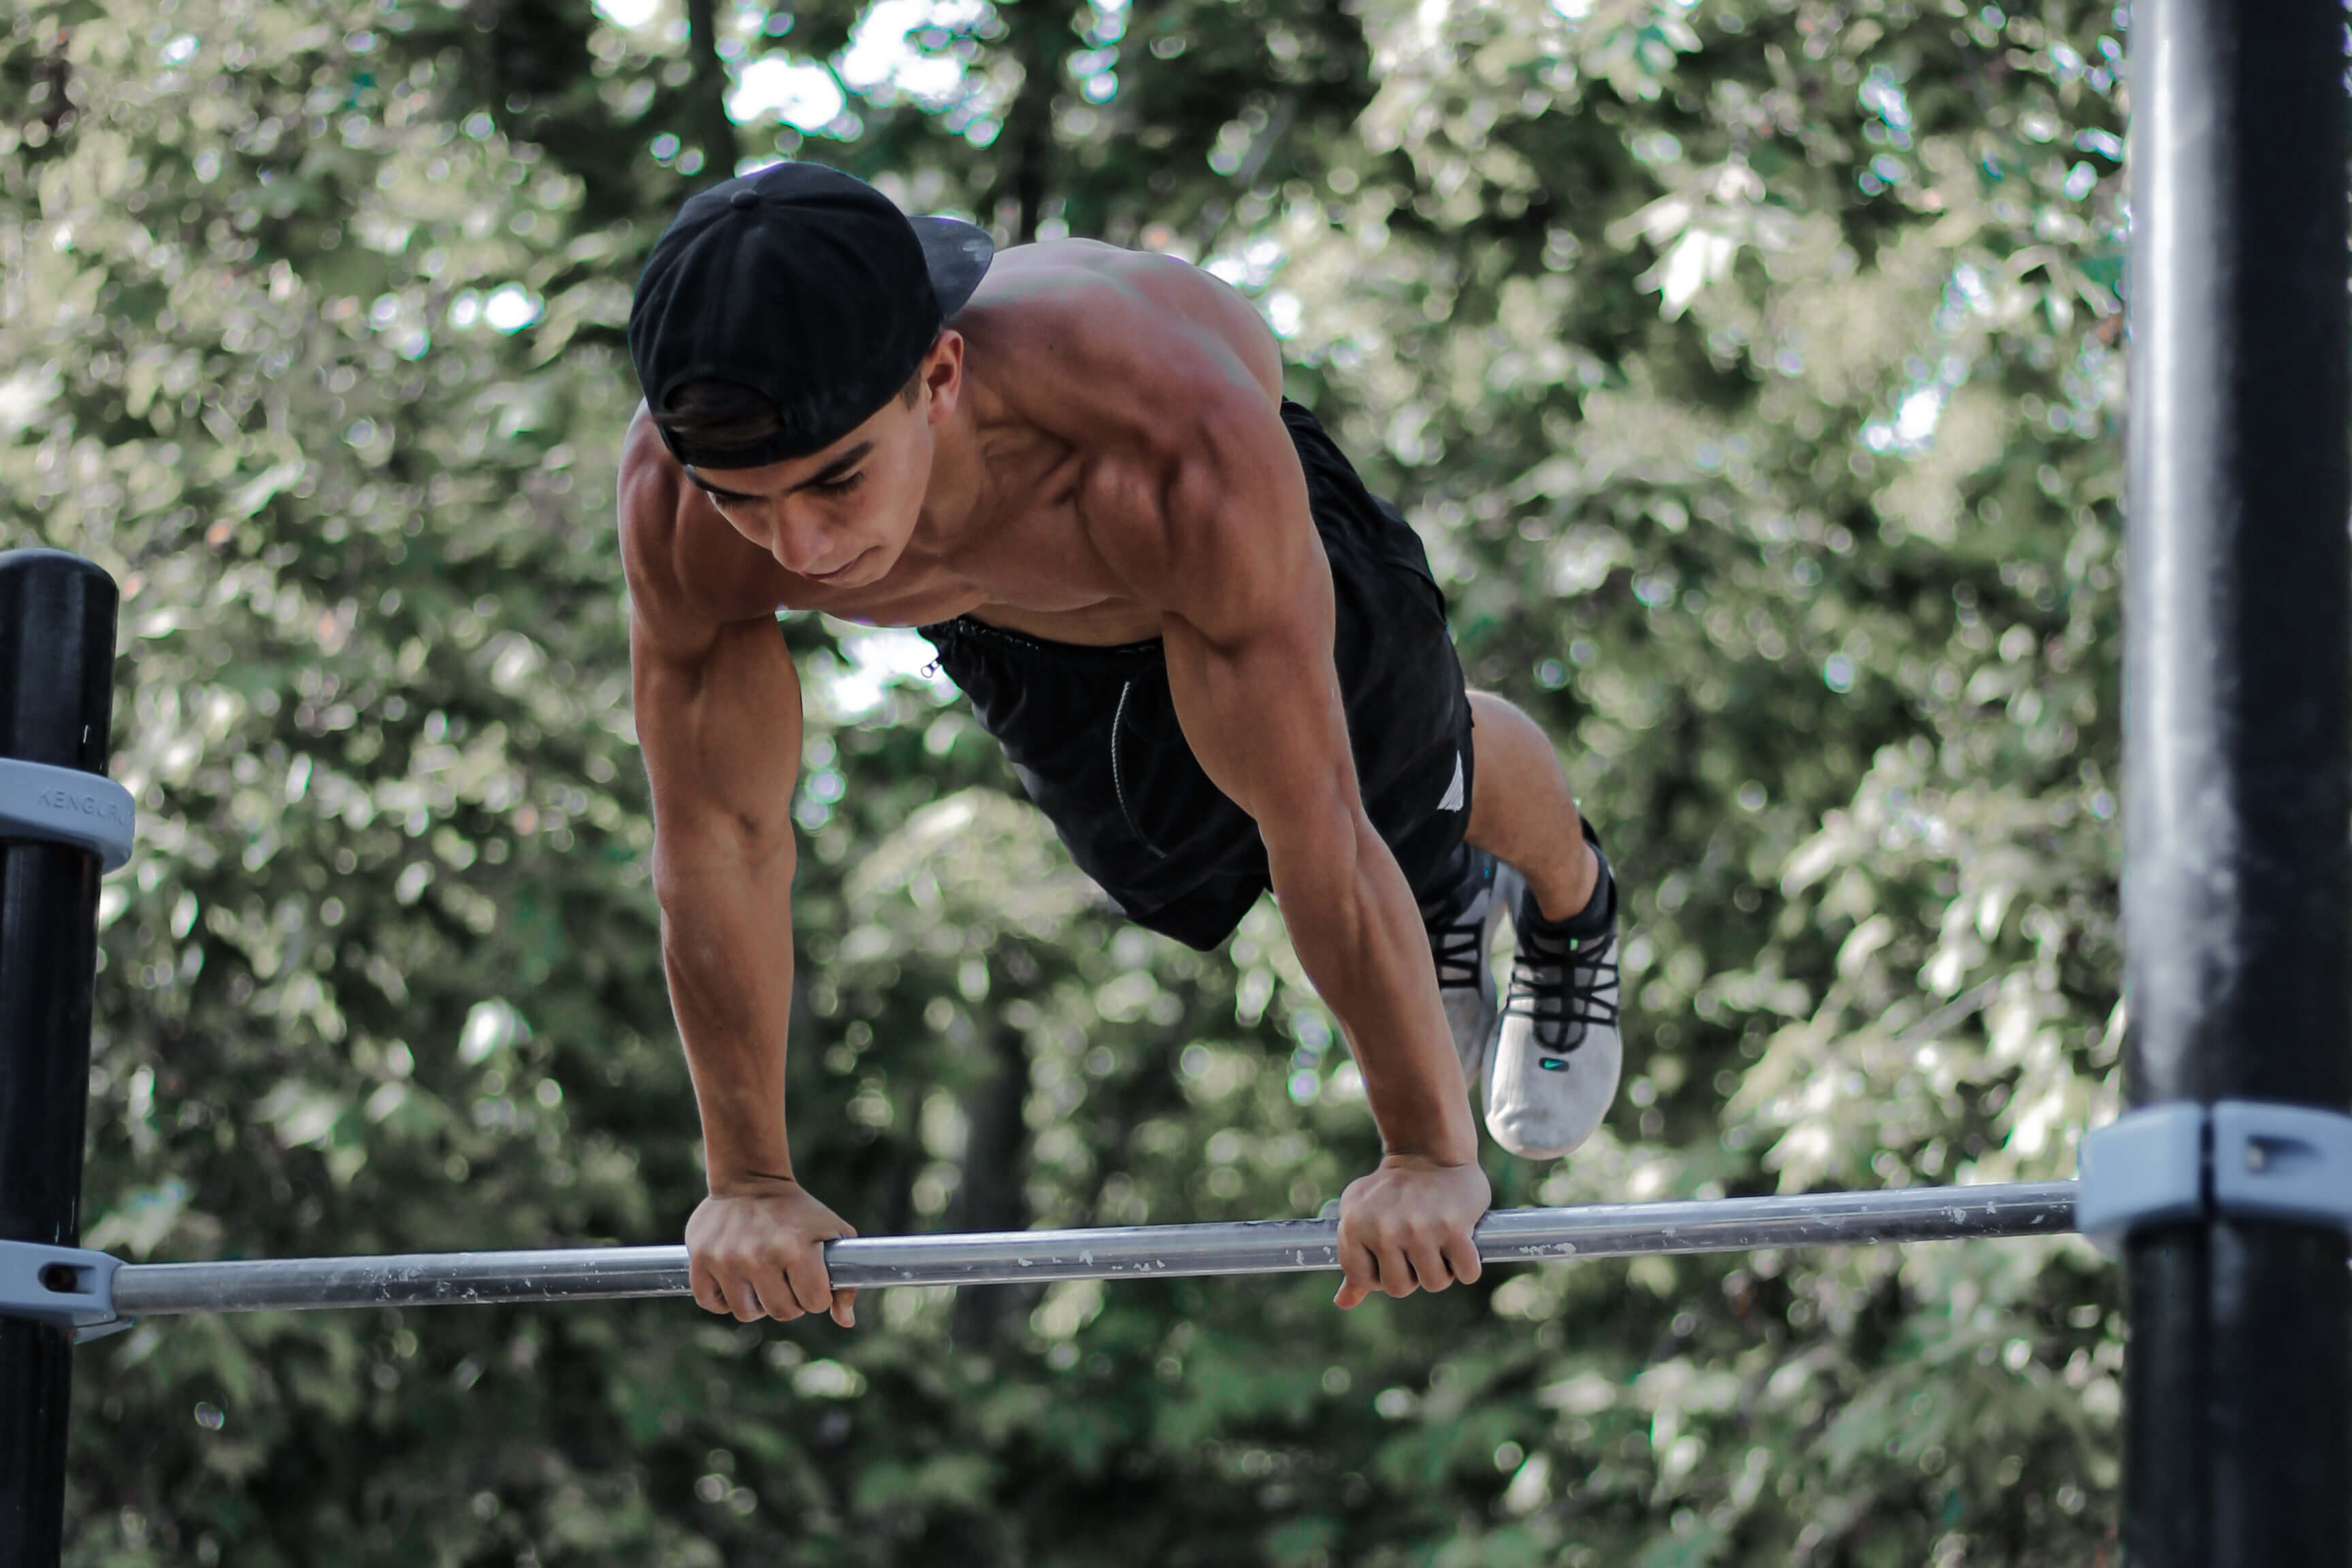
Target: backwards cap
(806, 285)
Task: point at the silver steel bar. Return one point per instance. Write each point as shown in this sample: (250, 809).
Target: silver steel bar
(1168, 1251)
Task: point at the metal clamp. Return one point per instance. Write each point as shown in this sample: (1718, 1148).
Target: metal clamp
(2244, 1158)
(66, 805)
(64, 1287)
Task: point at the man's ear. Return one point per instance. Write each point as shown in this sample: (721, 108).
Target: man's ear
(942, 374)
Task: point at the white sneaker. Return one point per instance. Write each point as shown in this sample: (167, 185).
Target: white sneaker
(1461, 940)
(1553, 1074)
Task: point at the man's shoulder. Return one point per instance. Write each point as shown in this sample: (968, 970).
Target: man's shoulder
(646, 471)
(648, 486)
(682, 573)
(1049, 271)
(1116, 325)
(1139, 364)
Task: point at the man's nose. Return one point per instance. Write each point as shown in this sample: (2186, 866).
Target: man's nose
(799, 546)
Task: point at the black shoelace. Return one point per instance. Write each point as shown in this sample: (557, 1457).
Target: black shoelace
(1455, 949)
(1458, 947)
(1587, 996)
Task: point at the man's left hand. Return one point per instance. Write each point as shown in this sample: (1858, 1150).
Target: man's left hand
(1407, 1227)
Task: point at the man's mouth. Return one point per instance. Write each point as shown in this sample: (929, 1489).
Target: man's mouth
(838, 572)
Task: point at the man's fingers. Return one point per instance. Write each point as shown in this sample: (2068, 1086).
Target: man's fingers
(775, 1288)
(726, 1291)
(757, 1256)
(811, 1287)
(844, 1302)
(1430, 1264)
(1362, 1271)
(1461, 1256)
(753, 1290)
(747, 1287)
(1396, 1270)
(736, 1299)
(709, 1294)
(1404, 1228)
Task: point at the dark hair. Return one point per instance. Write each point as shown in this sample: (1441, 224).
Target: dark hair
(721, 414)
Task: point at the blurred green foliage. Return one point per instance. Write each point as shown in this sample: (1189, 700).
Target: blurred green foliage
(1751, 372)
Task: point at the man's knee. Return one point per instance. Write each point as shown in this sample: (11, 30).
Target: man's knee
(1494, 713)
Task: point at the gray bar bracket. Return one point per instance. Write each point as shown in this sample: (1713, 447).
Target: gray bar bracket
(66, 805)
(64, 1287)
(2164, 1164)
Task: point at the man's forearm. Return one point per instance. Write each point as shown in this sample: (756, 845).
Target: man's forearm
(727, 948)
(1356, 931)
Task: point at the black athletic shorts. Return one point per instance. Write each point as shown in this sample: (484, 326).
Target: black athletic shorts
(1092, 732)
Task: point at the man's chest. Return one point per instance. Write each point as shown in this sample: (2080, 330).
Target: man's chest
(1042, 574)
(1035, 570)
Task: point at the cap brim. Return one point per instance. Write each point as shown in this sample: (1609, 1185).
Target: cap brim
(956, 255)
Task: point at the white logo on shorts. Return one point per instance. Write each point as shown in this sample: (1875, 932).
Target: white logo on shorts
(1452, 800)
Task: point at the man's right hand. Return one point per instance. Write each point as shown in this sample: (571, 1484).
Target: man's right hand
(758, 1250)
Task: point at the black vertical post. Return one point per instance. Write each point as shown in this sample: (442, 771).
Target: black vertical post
(56, 701)
(2238, 759)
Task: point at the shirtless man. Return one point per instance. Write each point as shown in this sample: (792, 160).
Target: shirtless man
(1215, 661)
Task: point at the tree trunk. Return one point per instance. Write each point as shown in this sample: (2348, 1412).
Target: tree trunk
(992, 1196)
(1041, 34)
(713, 131)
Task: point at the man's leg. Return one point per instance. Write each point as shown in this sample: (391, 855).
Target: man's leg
(1521, 812)
(1551, 1073)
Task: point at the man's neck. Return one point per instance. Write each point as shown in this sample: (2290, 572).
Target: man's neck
(960, 503)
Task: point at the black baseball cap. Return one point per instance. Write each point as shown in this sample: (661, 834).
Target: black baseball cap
(805, 284)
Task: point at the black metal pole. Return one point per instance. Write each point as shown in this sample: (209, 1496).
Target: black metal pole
(57, 702)
(2237, 758)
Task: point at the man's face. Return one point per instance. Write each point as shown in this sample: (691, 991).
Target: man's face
(841, 516)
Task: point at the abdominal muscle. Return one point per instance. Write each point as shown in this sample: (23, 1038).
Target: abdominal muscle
(1105, 626)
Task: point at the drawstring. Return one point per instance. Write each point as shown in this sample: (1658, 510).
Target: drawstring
(1117, 776)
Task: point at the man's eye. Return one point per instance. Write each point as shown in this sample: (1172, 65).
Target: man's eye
(843, 486)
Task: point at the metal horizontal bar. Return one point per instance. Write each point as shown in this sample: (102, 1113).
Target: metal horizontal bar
(1254, 1247)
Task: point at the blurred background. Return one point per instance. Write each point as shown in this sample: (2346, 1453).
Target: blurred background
(1752, 373)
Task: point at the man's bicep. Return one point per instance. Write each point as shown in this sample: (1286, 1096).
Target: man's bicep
(1249, 607)
(719, 724)
(1263, 713)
